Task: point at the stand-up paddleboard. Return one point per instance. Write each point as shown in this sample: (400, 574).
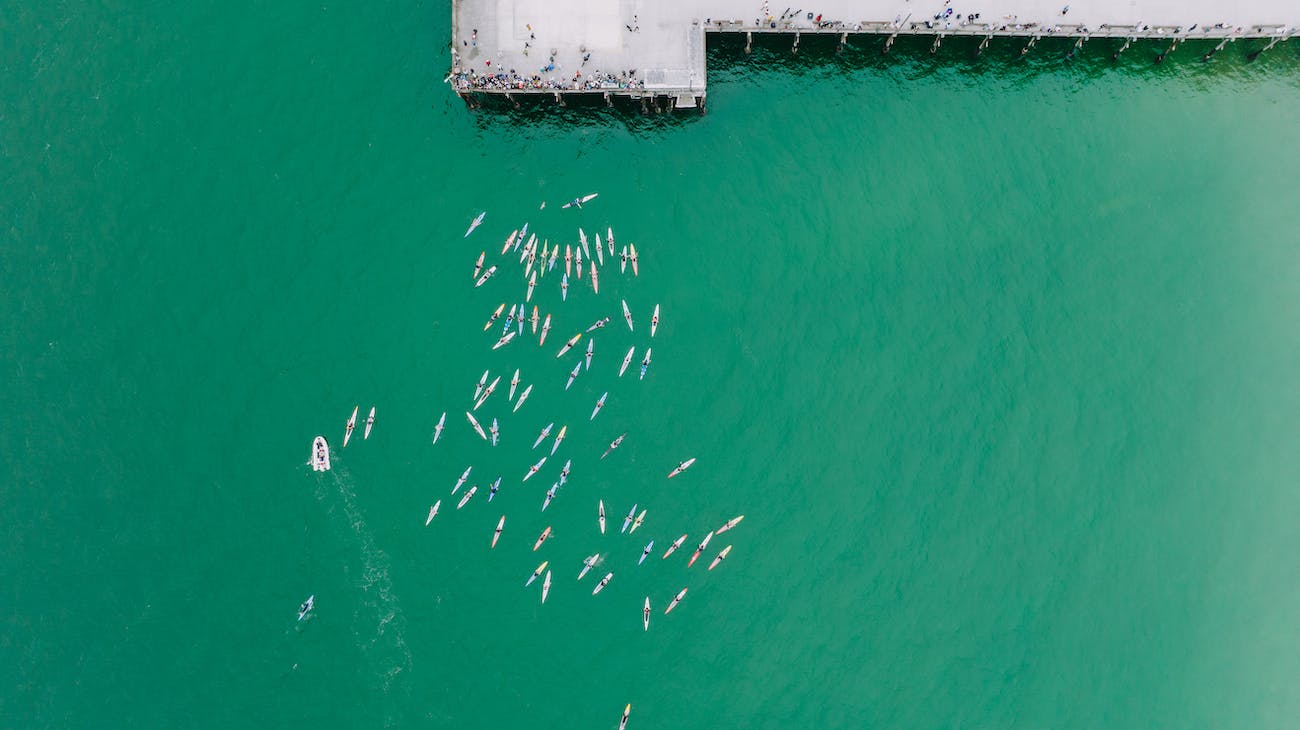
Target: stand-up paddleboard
(501, 525)
(720, 557)
(462, 479)
(587, 564)
(478, 266)
(523, 397)
(681, 467)
(486, 275)
(613, 445)
(475, 224)
(546, 586)
(603, 582)
(534, 468)
(536, 573)
(601, 518)
(676, 600)
(546, 534)
(437, 428)
(673, 548)
(352, 423)
(559, 438)
(654, 321)
(627, 316)
(645, 362)
(474, 422)
(467, 496)
(568, 345)
(627, 360)
(320, 454)
(433, 512)
(599, 405)
(542, 436)
(649, 546)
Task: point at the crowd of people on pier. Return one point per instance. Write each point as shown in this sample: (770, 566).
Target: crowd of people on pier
(468, 79)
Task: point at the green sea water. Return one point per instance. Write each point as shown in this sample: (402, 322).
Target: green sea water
(998, 358)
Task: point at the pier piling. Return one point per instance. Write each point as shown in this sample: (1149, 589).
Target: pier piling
(934, 48)
(1127, 42)
(983, 44)
(1215, 50)
(844, 39)
(1169, 50)
(749, 42)
(795, 49)
(889, 42)
(1029, 45)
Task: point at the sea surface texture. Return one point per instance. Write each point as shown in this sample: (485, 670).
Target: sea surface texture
(998, 357)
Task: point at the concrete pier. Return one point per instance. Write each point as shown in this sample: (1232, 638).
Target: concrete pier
(655, 49)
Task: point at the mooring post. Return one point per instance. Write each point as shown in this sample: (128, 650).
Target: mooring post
(749, 41)
(1169, 50)
(1127, 42)
(1215, 50)
(796, 43)
(889, 42)
(934, 48)
(1029, 45)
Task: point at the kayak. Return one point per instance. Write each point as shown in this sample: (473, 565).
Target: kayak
(546, 534)
(550, 494)
(546, 327)
(546, 586)
(486, 275)
(579, 201)
(595, 278)
(523, 397)
(649, 546)
(720, 557)
(645, 613)
(555, 254)
(600, 251)
(730, 524)
(700, 549)
(568, 260)
(505, 340)
(474, 224)
(493, 491)
(320, 454)
(681, 467)
(673, 548)
(462, 479)
(637, 522)
(501, 525)
(510, 241)
(602, 517)
(537, 572)
(564, 473)
(591, 347)
(510, 319)
(519, 321)
(627, 360)
(523, 233)
(654, 321)
(573, 375)
(577, 262)
(627, 316)
(514, 383)
(467, 496)
(478, 265)
(632, 258)
(488, 391)
(352, 423)
(542, 436)
(628, 520)
(622, 267)
(613, 445)
(582, 238)
(433, 512)
(609, 240)
(477, 427)
(622, 724)
(588, 564)
(598, 324)
(558, 438)
(645, 362)
(676, 600)
(534, 319)
(478, 389)
(599, 404)
(568, 345)
(306, 606)
(603, 582)
(532, 284)
(495, 431)
(437, 428)
(535, 468)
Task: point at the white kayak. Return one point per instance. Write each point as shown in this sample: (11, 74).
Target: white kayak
(600, 251)
(542, 436)
(599, 404)
(603, 582)
(676, 600)
(533, 320)
(627, 316)
(546, 327)
(564, 473)
(598, 324)
(478, 389)
(370, 423)
(579, 201)
(595, 278)
(462, 479)
(720, 557)
(510, 241)
(505, 340)
(495, 430)
(577, 262)
(637, 522)
(523, 397)
(546, 586)
(601, 518)
(473, 422)
(673, 548)
(703, 544)
(437, 428)
(568, 345)
(535, 468)
(532, 284)
(467, 496)
(433, 512)
(306, 606)
(558, 439)
(475, 224)
(591, 348)
(478, 266)
(486, 275)
(628, 520)
(514, 383)
(645, 613)
(609, 240)
(550, 494)
(546, 534)
(627, 360)
(568, 260)
(613, 445)
(632, 258)
(523, 234)
(536, 573)
(649, 546)
(320, 454)
(681, 467)
(588, 564)
(519, 321)
(582, 238)
(488, 391)
(573, 375)
(501, 525)
(654, 321)
(352, 423)
(622, 724)
(730, 524)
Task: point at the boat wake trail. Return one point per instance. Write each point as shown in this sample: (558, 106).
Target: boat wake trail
(380, 626)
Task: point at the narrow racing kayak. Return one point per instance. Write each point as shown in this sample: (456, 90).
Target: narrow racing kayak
(609, 240)
(495, 431)
(478, 389)
(645, 362)
(582, 238)
(654, 321)
(320, 454)
(546, 586)
(493, 491)
(462, 479)
(523, 397)
(595, 278)
(510, 241)
(676, 600)
(478, 266)
(532, 284)
(505, 340)
(645, 613)
(632, 258)
(603, 582)
(559, 437)
(637, 522)
(535, 468)
(352, 423)
(542, 436)
(627, 360)
(437, 428)
(568, 346)
(546, 327)
(510, 319)
(730, 524)
(306, 606)
(588, 564)
(564, 473)
(628, 520)
(568, 260)
(555, 253)
(622, 267)
(467, 496)
(433, 512)
(501, 525)
(550, 494)
(627, 316)
(546, 534)
(536, 573)
(600, 252)
(599, 404)
(622, 724)
(598, 324)
(673, 548)
(475, 224)
(488, 391)
(613, 445)
(533, 320)
(700, 549)
(591, 348)
(514, 383)
(649, 546)
(473, 422)
(601, 518)
(681, 467)
(720, 557)
(577, 262)
(573, 375)
(486, 275)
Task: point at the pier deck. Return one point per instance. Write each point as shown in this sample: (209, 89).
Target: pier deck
(656, 48)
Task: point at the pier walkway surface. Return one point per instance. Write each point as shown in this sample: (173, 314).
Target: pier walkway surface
(656, 48)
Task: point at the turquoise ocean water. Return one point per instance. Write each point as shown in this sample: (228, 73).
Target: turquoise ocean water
(997, 358)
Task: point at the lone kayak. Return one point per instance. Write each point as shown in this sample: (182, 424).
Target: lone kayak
(568, 345)
(475, 224)
(306, 606)
(501, 525)
(599, 404)
(645, 363)
(613, 445)
(523, 397)
(514, 383)
(495, 430)
(681, 467)
(654, 321)
(534, 468)
(437, 428)
(352, 423)
(602, 517)
(542, 436)
(730, 524)
(573, 375)
(433, 512)
(627, 316)
(603, 582)
(649, 546)
(546, 534)
(622, 724)
(591, 347)
(645, 613)
(676, 600)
